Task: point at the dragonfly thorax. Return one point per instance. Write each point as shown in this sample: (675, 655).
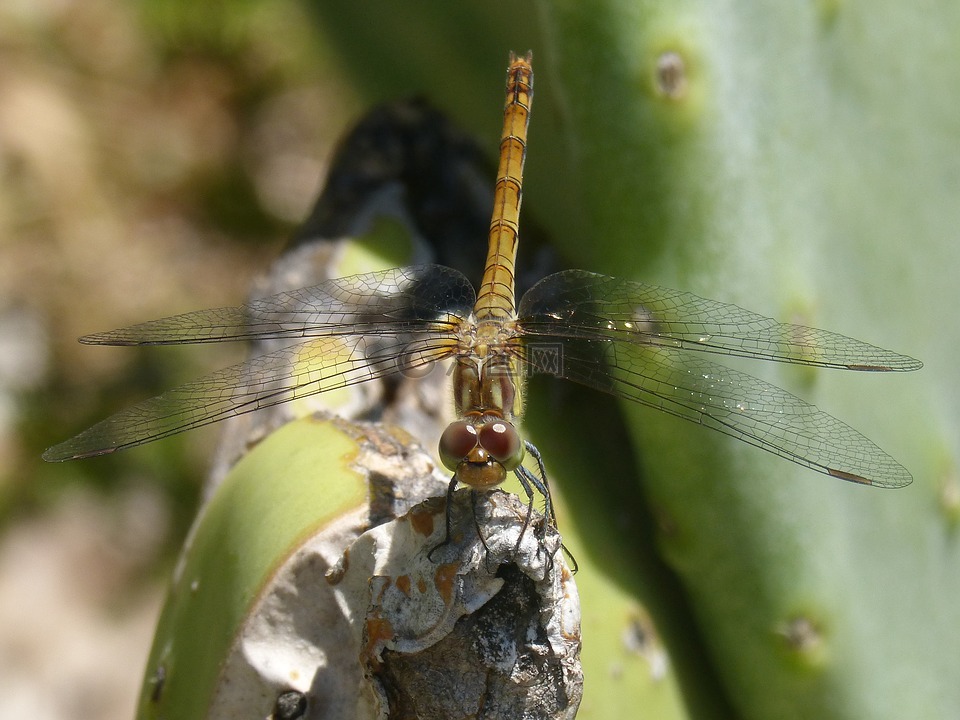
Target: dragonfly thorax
(485, 385)
(487, 376)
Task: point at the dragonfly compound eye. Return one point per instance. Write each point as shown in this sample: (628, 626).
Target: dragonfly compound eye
(502, 441)
(456, 443)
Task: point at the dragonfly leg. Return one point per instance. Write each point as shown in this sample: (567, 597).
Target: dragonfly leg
(451, 488)
(448, 522)
(476, 524)
(530, 480)
(527, 482)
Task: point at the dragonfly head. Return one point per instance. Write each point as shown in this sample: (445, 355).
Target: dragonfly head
(481, 450)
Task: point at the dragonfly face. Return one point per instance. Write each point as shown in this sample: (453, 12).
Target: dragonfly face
(646, 344)
(481, 450)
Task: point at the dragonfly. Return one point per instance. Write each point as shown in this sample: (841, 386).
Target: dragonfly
(646, 344)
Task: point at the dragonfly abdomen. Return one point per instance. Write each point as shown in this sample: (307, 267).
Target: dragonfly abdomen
(496, 296)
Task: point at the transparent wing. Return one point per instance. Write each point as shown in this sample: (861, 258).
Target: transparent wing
(307, 368)
(391, 301)
(353, 329)
(576, 303)
(734, 403)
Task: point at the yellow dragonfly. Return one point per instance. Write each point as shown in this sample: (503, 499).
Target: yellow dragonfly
(647, 344)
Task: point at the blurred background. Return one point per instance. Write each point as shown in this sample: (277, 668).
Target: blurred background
(153, 158)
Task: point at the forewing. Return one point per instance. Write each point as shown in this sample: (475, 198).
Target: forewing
(691, 387)
(398, 300)
(576, 303)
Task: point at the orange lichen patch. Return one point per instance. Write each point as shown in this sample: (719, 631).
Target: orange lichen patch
(403, 584)
(384, 586)
(379, 632)
(421, 520)
(443, 580)
(421, 585)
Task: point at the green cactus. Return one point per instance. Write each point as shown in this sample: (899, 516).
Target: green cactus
(250, 527)
(797, 159)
